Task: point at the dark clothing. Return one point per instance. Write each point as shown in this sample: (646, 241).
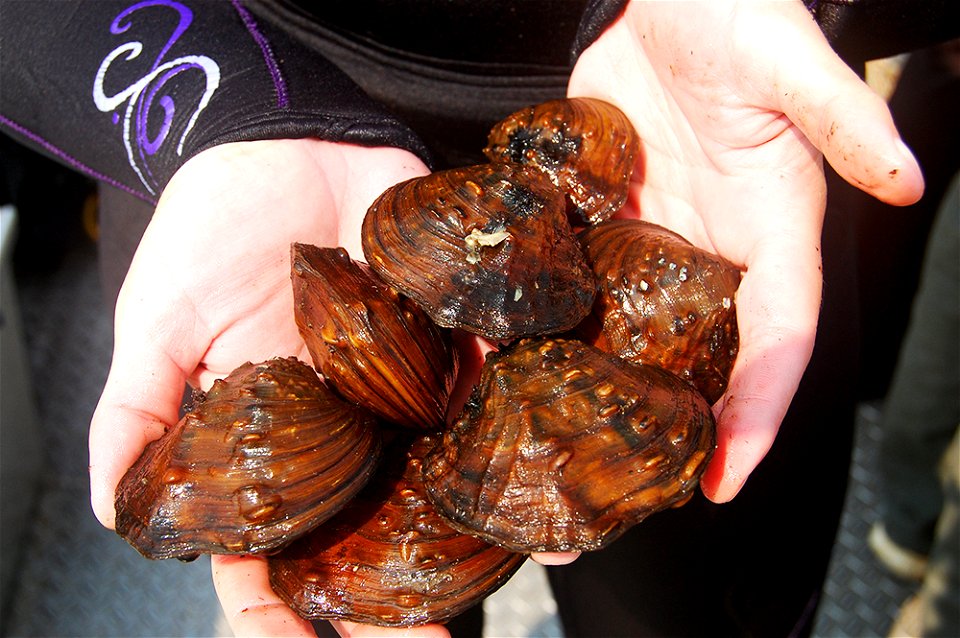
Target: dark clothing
(128, 92)
(892, 240)
(919, 458)
(862, 30)
(922, 410)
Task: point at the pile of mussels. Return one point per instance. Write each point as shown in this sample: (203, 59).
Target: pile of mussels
(592, 413)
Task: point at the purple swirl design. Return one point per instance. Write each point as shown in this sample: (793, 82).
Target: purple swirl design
(118, 26)
(149, 102)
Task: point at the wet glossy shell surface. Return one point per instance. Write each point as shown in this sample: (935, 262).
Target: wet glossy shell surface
(663, 301)
(389, 558)
(563, 447)
(484, 248)
(265, 455)
(375, 347)
(587, 147)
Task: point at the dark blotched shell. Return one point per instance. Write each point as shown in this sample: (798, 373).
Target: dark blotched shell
(586, 146)
(373, 346)
(389, 558)
(267, 454)
(661, 300)
(563, 447)
(484, 248)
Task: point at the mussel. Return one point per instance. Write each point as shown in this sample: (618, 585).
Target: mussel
(373, 346)
(663, 301)
(486, 248)
(268, 453)
(587, 147)
(563, 447)
(389, 558)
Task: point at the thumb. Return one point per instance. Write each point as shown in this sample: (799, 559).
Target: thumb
(142, 395)
(845, 119)
(140, 400)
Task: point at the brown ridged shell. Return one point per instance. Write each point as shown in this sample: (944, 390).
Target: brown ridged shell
(563, 447)
(373, 346)
(663, 301)
(389, 558)
(265, 455)
(586, 146)
(484, 248)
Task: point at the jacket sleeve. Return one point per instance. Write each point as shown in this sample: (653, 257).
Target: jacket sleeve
(862, 30)
(126, 92)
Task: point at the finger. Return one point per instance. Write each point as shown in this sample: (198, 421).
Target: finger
(368, 171)
(777, 310)
(839, 114)
(249, 604)
(471, 354)
(142, 397)
(555, 558)
(253, 609)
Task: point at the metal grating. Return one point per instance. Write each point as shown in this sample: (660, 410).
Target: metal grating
(859, 597)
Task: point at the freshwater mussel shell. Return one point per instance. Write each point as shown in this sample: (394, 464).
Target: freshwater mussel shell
(587, 147)
(268, 453)
(389, 558)
(563, 447)
(485, 248)
(373, 346)
(663, 301)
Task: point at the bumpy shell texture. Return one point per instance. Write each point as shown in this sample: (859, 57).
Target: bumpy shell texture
(267, 454)
(389, 558)
(587, 147)
(663, 301)
(485, 248)
(563, 447)
(373, 346)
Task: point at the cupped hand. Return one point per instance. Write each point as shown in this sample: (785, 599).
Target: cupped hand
(209, 288)
(736, 104)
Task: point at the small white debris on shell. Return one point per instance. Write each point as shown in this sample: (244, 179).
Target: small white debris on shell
(477, 239)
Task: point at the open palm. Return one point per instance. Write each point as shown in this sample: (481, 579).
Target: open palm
(209, 289)
(732, 133)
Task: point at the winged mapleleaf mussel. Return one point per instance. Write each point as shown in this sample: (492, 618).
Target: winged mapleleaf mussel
(587, 147)
(389, 558)
(373, 346)
(562, 447)
(268, 453)
(485, 248)
(663, 301)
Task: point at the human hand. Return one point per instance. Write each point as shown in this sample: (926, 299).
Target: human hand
(208, 289)
(736, 103)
